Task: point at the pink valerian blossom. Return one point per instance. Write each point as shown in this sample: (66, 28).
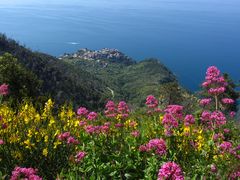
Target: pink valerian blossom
(213, 119)
(92, 116)
(225, 146)
(64, 136)
(216, 91)
(82, 112)
(189, 120)
(158, 145)
(170, 170)
(205, 102)
(232, 114)
(135, 133)
(175, 110)
(152, 104)
(234, 175)
(151, 101)
(123, 109)
(90, 129)
(227, 101)
(72, 140)
(28, 173)
(110, 109)
(79, 156)
(226, 131)
(119, 125)
(218, 137)
(132, 124)
(4, 90)
(212, 73)
(169, 122)
(1, 142)
(236, 152)
(213, 168)
(215, 84)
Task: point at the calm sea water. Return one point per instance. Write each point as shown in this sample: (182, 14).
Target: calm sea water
(186, 35)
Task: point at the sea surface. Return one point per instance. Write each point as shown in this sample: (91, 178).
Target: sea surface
(186, 35)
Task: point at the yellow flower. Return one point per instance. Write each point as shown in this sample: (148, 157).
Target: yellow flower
(45, 152)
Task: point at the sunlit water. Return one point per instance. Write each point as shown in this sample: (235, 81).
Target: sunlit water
(186, 35)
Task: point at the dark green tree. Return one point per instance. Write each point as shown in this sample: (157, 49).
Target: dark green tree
(22, 82)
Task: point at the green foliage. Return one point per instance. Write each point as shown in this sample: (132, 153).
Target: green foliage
(22, 82)
(60, 80)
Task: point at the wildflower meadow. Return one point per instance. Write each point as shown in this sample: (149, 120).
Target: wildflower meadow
(118, 143)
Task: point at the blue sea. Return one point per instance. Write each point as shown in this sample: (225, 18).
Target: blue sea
(186, 35)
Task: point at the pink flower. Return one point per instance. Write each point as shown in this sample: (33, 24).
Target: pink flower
(25, 173)
(1, 142)
(72, 140)
(119, 125)
(110, 109)
(64, 136)
(135, 133)
(4, 90)
(151, 101)
(123, 109)
(227, 101)
(175, 110)
(216, 91)
(79, 156)
(232, 114)
(169, 122)
(82, 111)
(226, 146)
(205, 102)
(189, 119)
(213, 118)
(158, 145)
(170, 170)
(92, 116)
(213, 168)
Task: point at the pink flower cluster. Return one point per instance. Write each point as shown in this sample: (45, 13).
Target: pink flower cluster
(152, 104)
(68, 138)
(175, 110)
(110, 109)
(189, 119)
(232, 114)
(135, 133)
(1, 142)
(28, 173)
(236, 152)
(214, 82)
(79, 156)
(169, 122)
(83, 112)
(90, 129)
(235, 175)
(205, 102)
(170, 170)
(92, 116)
(225, 146)
(4, 90)
(159, 145)
(213, 119)
(218, 137)
(123, 109)
(227, 101)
